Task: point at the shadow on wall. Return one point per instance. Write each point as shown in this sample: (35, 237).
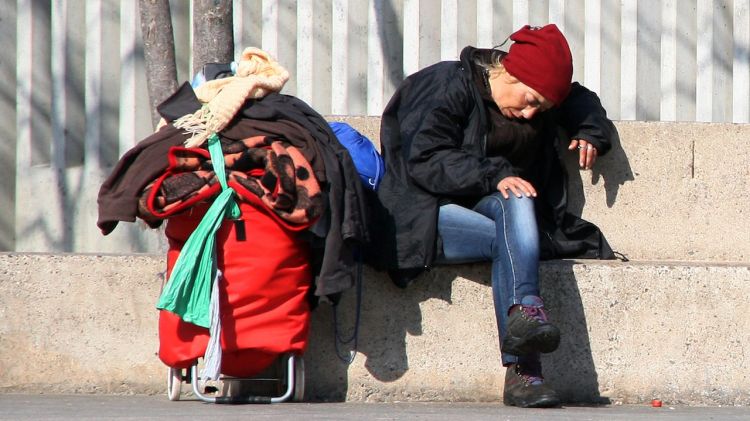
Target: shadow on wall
(613, 168)
(570, 370)
(390, 313)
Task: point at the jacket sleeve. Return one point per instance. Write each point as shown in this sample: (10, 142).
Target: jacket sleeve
(436, 159)
(583, 117)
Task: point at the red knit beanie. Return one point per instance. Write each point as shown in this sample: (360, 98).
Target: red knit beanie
(540, 58)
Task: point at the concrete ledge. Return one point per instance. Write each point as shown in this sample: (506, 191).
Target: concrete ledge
(666, 191)
(632, 331)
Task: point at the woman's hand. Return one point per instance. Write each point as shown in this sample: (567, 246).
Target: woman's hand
(517, 186)
(586, 153)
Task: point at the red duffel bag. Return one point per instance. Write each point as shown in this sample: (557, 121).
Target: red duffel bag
(263, 293)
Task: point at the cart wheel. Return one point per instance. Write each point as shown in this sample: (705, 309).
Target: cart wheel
(299, 379)
(174, 383)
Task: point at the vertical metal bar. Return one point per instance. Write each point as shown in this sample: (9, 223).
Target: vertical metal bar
(502, 17)
(485, 24)
(238, 26)
(127, 79)
(93, 72)
(592, 45)
(84, 233)
(538, 12)
(448, 29)
(466, 24)
(668, 110)
(376, 59)
(190, 36)
(24, 66)
(686, 40)
(705, 71)
(412, 45)
(339, 53)
(321, 58)
(629, 54)
(557, 13)
(575, 16)
(357, 58)
(721, 59)
(610, 58)
(59, 94)
(741, 63)
(429, 33)
(271, 27)
(392, 22)
(520, 13)
(57, 199)
(305, 49)
(648, 68)
(286, 48)
(8, 120)
(250, 17)
(182, 27)
(290, 380)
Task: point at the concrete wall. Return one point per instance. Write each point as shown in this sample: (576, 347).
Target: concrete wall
(665, 191)
(673, 191)
(631, 331)
(672, 323)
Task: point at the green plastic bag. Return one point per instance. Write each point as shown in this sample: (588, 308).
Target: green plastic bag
(188, 290)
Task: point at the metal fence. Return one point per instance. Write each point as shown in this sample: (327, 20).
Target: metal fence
(73, 94)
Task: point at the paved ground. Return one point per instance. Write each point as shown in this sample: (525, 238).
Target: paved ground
(98, 407)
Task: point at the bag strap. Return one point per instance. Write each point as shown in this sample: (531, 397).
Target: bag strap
(188, 289)
(217, 158)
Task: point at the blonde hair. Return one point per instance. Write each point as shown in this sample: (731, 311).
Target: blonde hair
(496, 69)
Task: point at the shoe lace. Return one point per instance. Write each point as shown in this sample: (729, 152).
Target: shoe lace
(536, 313)
(529, 377)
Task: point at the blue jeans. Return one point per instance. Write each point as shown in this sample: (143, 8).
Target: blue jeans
(503, 231)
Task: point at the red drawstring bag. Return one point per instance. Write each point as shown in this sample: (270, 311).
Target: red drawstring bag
(263, 292)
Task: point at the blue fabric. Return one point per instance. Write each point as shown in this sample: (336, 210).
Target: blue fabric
(366, 158)
(502, 231)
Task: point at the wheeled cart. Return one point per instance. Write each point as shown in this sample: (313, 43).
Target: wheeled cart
(265, 312)
(282, 382)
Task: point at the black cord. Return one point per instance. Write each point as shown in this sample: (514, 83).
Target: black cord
(501, 44)
(337, 339)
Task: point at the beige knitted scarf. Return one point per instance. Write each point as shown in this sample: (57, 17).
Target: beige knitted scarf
(257, 75)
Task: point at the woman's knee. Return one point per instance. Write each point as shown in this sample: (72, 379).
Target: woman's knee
(496, 205)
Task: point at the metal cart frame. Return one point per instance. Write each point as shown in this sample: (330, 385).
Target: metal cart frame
(293, 377)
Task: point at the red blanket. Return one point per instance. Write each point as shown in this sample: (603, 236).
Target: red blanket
(262, 170)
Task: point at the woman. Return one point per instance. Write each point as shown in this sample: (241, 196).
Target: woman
(472, 174)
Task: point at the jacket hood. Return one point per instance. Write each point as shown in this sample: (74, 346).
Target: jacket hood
(472, 56)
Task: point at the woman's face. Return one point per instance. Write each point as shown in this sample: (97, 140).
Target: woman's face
(515, 99)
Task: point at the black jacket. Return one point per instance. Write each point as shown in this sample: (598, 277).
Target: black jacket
(433, 139)
(345, 227)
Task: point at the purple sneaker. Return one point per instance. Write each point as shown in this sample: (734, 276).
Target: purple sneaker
(528, 329)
